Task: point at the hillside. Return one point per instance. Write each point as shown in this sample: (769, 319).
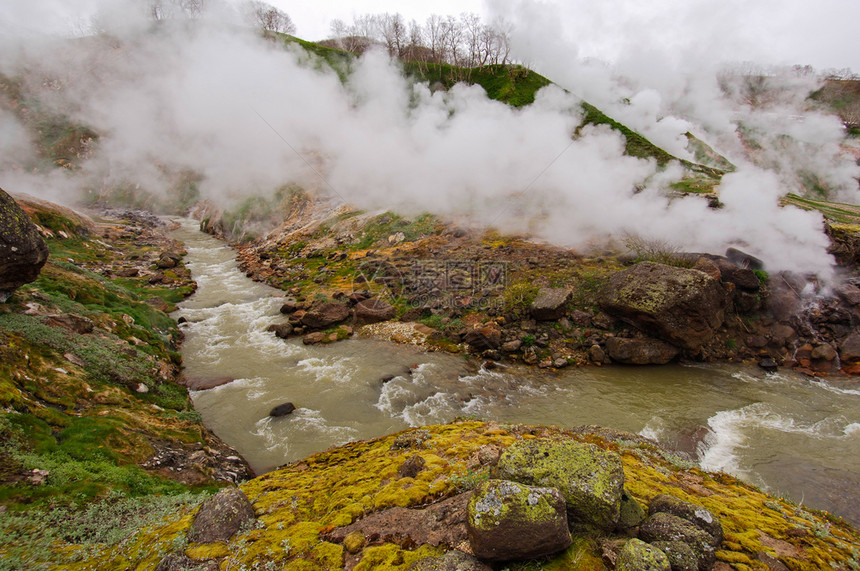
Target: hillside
(94, 419)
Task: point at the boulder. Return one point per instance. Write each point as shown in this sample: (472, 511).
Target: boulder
(632, 514)
(744, 260)
(681, 557)
(709, 267)
(74, 323)
(325, 315)
(221, 516)
(637, 555)
(507, 520)
(373, 311)
(550, 304)
(849, 293)
(663, 526)
(640, 351)
(451, 561)
(411, 466)
(168, 260)
(314, 338)
(768, 364)
(743, 278)
(589, 478)
(488, 336)
(23, 252)
(697, 515)
(849, 349)
(281, 330)
(678, 305)
(283, 409)
(290, 307)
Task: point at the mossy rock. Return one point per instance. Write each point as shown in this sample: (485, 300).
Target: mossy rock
(637, 555)
(507, 520)
(590, 478)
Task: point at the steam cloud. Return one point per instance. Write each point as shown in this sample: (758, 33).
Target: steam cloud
(221, 102)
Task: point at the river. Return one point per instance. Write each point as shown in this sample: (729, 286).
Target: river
(794, 436)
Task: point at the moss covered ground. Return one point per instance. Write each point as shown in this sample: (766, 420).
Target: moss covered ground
(298, 505)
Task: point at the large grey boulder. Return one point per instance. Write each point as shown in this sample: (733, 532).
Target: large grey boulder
(589, 478)
(221, 516)
(640, 351)
(679, 305)
(507, 520)
(23, 252)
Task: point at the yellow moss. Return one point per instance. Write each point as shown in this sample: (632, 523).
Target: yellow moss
(391, 556)
(208, 551)
(298, 504)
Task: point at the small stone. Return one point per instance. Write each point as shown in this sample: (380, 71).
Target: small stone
(768, 364)
(596, 354)
(141, 389)
(354, 542)
(511, 346)
(282, 409)
(314, 338)
(411, 466)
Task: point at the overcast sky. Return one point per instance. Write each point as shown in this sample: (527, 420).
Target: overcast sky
(822, 33)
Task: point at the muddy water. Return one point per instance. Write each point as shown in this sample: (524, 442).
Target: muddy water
(794, 436)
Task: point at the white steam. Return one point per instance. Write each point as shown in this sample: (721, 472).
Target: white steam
(249, 116)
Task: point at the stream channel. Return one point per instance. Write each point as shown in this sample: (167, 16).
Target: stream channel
(792, 435)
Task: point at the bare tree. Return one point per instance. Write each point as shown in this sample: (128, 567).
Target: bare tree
(472, 27)
(267, 17)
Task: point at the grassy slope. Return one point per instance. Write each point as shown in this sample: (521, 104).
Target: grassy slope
(70, 404)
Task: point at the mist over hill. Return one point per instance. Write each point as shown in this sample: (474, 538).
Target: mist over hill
(169, 113)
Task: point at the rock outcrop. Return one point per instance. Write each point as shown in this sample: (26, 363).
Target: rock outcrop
(23, 252)
(678, 305)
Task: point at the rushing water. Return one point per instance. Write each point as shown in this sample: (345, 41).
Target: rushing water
(795, 436)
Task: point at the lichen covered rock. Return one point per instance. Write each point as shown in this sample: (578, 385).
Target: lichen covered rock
(221, 516)
(637, 555)
(667, 527)
(681, 556)
(697, 515)
(589, 478)
(507, 520)
(678, 305)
